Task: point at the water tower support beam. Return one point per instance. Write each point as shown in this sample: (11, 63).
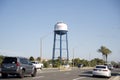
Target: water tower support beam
(67, 48)
(60, 48)
(53, 56)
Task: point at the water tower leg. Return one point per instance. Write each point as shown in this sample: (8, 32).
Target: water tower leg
(53, 56)
(67, 48)
(60, 48)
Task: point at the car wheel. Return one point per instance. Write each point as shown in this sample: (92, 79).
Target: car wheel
(34, 73)
(21, 75)
(93, 76)
(108, 76)
(4, 75)
(41, 68)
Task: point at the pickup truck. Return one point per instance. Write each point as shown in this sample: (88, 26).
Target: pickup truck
(37, 64)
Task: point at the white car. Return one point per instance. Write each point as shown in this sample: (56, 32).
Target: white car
(101, 70)
(110, 66)
(37, 64)
(66, 66)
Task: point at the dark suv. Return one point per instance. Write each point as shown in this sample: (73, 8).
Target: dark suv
(19, 66)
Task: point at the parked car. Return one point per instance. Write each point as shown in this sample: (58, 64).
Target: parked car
(66, 66)
(37, 64)
(101, 70)
(110, 66)
(80, 65)
(19, 66)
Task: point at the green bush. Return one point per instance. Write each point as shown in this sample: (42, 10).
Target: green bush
(1, 58)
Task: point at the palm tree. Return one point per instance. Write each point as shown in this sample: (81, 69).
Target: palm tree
(105, 52)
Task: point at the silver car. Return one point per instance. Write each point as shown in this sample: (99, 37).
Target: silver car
(19, 66)
(101, 70)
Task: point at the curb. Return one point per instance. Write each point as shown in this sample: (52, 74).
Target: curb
(115, 78)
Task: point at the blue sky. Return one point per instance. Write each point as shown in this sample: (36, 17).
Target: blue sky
(91, 24)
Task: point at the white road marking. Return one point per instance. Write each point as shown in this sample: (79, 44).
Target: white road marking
(38, 77)
(79, 78)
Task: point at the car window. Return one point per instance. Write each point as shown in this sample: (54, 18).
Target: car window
(29, 62)
(100, 67)
(10, 60)
(33, 62)
(23, 61)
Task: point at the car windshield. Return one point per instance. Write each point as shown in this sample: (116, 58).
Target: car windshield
(100, 67)
(10, 60)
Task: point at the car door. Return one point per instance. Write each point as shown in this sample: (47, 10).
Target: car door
(28, 65)
(25, 65)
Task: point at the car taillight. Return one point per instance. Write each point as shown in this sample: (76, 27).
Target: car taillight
(17, 64)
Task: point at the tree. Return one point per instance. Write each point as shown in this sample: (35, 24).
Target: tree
(114, 63)
(105, 52)
(1, 58)
(38, 59)
(57, 62)
(31, 58)
(45, 63)
(76, 61)
(96, 61)
(84, 62)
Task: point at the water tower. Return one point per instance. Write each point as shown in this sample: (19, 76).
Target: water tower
(60, 31)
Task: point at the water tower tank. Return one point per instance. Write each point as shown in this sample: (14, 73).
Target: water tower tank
(60, 28)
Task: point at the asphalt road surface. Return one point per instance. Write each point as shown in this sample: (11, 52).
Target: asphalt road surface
(73, 74)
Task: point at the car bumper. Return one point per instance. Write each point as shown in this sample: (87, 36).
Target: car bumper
(106, 74)
(10, 71)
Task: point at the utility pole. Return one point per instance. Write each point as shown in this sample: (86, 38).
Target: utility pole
(40, 49)
(41, 44)
(89, 60)
(73, 56)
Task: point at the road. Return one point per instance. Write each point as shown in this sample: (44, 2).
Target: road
(73, 74)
